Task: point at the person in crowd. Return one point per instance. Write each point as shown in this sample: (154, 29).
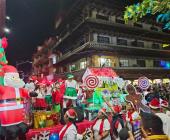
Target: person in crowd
(124, 134)
(69, 131)
(117, 118)
(156, 109)
(101, 126)
(40, 103)
(152, 128)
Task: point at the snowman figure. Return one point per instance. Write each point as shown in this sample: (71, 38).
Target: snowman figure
(12, 96)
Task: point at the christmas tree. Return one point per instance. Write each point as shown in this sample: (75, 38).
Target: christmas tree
(3, 60)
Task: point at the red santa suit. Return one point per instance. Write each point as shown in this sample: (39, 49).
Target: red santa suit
(11, 105)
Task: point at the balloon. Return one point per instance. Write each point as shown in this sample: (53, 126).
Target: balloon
(54, 136)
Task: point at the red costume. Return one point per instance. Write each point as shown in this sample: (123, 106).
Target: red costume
(11, 105)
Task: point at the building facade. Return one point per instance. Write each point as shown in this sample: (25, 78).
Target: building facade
(2, 16)
(94, 34)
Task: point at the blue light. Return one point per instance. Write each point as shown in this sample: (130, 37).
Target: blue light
(163, 63)
(167, 66)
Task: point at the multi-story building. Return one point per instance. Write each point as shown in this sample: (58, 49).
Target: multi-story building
(2, 15)
(42, 58)
(94, 34)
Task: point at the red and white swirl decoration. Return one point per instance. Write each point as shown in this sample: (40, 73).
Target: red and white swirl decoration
(91, 81)
(143, 83)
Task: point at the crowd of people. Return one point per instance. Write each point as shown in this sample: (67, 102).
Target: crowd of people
(123, 122)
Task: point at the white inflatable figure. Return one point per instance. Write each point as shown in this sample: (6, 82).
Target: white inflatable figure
(12, 96)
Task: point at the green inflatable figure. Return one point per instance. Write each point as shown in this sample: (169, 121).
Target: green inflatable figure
(3, 60)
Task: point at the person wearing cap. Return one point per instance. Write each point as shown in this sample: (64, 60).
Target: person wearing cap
(71, 86)
(156, 106)
(101, 126)
(69, 131)
(70, 92)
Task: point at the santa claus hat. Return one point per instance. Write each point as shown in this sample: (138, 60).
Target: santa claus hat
(103, 110)
(71, 113)
(154, 104)
(42, 82)
(164, 104)
(9, 69)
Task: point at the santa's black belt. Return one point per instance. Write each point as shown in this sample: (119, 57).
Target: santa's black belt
(11, 100)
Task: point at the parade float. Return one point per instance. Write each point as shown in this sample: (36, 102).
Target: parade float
(102, 83)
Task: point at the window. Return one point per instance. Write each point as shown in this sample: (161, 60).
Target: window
(156, 63)
(121, 21)
(141, 63)
(105, 62)
(140, 44)
(124, 63)
(72, 67)
(103, 39)
(98, 16)
(121, 41)
(155, 46)
(83, 65)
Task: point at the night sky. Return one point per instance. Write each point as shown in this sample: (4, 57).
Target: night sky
(32, 21)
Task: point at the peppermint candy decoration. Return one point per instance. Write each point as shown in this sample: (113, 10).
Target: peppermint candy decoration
(91, 81)
(143, 83)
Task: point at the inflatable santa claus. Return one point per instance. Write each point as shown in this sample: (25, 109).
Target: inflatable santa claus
(12, 97)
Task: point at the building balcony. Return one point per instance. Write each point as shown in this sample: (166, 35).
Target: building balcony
(125, 28)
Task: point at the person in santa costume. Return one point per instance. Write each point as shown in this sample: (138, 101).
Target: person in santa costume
(156, 106)
(12, 97)
(69, 131)
(40, 103)
(101, 126)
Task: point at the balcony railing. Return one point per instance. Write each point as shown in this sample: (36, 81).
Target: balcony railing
(111, 45)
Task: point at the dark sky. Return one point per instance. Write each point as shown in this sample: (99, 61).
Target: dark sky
(32, 21)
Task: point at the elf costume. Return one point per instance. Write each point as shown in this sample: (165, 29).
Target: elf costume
(71, 86)
(70, 95)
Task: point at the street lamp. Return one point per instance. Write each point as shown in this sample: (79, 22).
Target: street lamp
(7, 30)
(8, 18)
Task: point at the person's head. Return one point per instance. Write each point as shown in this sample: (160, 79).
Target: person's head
(70, 77)
(123, 134)
(129, 107)
(152, 124)
(102, 114)
(70, 116)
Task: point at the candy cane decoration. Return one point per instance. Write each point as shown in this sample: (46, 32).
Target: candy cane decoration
(91, 81)
(143, 83)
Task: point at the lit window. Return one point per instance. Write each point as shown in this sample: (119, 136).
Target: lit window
(105, 62)
(83, 65)
(72, 67)
(103, 39)
(124, 63)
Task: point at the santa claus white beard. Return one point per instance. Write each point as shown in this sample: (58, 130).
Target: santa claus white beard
(11, 83)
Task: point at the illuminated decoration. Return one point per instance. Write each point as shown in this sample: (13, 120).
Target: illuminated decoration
(143, 83)
(157, 81)
(165, 45)
(152, 7)
(165, 64)
(166, 81)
